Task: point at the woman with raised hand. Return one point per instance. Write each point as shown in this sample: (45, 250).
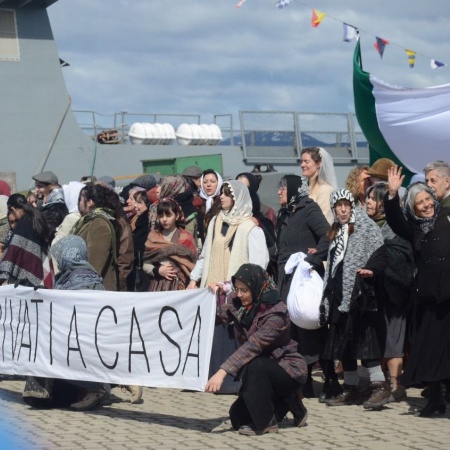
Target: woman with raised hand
(266, 361)
(428, 229)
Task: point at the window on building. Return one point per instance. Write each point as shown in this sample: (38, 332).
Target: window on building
(9, 43)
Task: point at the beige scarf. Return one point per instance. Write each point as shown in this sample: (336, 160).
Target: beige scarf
(220, 247)
(238, 255)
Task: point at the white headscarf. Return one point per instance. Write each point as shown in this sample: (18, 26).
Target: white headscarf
(210, 198)
(326, 174)
(71, 194)
(243, 206)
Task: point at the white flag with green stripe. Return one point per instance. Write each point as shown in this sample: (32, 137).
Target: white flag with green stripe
(409, 126)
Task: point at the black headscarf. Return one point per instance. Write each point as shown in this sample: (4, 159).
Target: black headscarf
(253, 181)
(262, 288)
(297, 188)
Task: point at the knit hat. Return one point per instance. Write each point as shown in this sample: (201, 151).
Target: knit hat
(46, 178)
(192, 171)
(145, 181)
(380, 168)
(110, 181)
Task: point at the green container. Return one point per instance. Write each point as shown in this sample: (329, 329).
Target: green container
(173, 166)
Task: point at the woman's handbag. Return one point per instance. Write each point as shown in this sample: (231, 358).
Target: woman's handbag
(305, 293)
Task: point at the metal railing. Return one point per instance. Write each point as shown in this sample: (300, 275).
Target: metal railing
(265, 136)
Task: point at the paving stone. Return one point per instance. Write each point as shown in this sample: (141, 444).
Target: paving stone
(172, 419)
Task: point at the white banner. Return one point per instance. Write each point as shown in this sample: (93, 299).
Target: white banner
(159, 339)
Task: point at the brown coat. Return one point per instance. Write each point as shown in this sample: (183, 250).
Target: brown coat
(99, 241)
(125, 257)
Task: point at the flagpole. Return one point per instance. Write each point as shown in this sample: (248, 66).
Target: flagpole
(359, 54)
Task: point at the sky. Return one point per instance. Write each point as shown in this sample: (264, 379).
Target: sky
(209, 57)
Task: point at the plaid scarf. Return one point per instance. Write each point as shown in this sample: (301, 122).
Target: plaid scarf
(26, 260)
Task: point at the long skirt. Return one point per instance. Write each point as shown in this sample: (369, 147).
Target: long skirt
(355, 336)
(223, 346)
(393, 341)
(429, 359)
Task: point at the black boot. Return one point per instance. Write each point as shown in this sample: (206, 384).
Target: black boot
(331, 388)
(349, 396)
(308, 390)
(297, 408)
(436, 401)
(447, 390)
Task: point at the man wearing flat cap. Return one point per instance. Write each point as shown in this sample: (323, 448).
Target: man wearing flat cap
(44, 183)
(193, 175)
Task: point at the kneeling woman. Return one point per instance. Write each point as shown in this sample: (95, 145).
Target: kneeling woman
(267, 362)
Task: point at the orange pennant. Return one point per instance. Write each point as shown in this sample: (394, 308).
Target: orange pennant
(317, 17)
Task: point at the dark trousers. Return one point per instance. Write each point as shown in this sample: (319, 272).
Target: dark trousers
(264, 383)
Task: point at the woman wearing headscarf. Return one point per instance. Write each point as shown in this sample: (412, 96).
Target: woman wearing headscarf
(233, 239)
(70, 253)
(302, 227)
(211, 185)
(71, 195)
(392, 289)
(26, 258)
(267, 362)
(263, 222)
(317, 166)
(348, 305)
(426, 226)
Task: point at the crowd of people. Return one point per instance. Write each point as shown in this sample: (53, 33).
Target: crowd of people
(383, 261)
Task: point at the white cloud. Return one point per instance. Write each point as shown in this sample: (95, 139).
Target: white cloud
(208, 57)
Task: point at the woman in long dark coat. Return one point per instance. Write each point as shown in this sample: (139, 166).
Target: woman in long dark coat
(302, 227)
(427, 227)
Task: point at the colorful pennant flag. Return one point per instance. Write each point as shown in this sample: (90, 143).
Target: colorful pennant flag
(380, 44)
(436, 64)
(317, 17)
(350, 32)
(282, 3)
(240, 3)
(411, 57)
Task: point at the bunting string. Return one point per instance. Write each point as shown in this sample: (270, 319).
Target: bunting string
(353, 31)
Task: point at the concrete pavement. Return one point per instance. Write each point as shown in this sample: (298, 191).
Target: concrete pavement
(171, 419)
